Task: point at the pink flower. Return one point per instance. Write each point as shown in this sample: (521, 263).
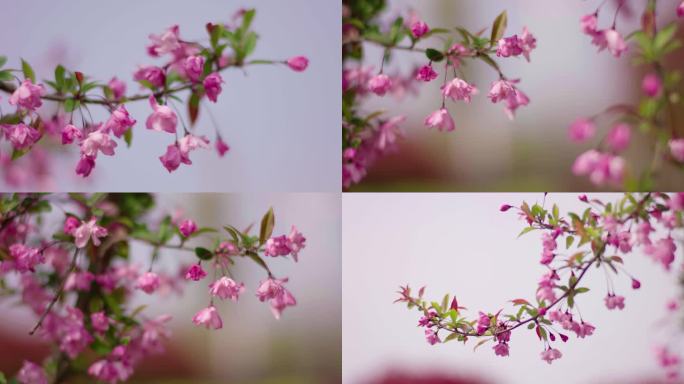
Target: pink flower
(585, 329)
(388, 132)
(551, 354)
(187, 227)
(298, 63)
(613, 301)
(155, 76)
(189, 143)
(589, 24)
(515, 100)
(21, 136)
(195, 273)
(280, 298)
(677, 149)
(119, 122)
(431, 337)
(194, 67)
(601, 167)
(458, 89)
(380, 84)
(426, 73)
(25, 258)
(28, 95)
(172, 158)
(419, 29)
(148, 282)
(212, 86)
(296, 242)
(636, 284)
(509, 46)
(581, 130)
(277, 246)
(615, 42)
(528, 43)
(99, 321)
(619, 137)
(70, 225)
(209, 318)
(483, 323)
(501, 349)
(87, 231)
(116, 367)
(501, 90)
(97, 141)
(31, 373)
(651, 85)
(680, 9)
(71, 133)
(226, 288)
(79, 281)
(221, 147)
(441, 120)
(663, 251)
(227, 248)
(85, 165)
(162, 119)
(118, 88)
(167, 42)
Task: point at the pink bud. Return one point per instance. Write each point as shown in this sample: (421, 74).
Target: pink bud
(221, 147)
(651, 85)
(298, 63)
(619, 137)
(680, 9)
(636, 284)
(419, 29)
(677, 149)
(380, 84)
(505, 207)
(187, 227)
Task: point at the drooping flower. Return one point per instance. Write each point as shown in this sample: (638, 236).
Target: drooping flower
(589, 24)
(419, 28)
(501, 90)
(119, 122)
(79, 280)
(296, 242)
(171, 159)
(85, 165)
(148, 282)
(212, 86)
(21, 136)
(581, 129)
(28, 95)
(89, 231)
(187, 227)
(388, 132)
(509, 46)
(501, 349)
(97, 141)
(25, 258)
(162, 119)
(380, 84)
(551, 354)
(70, 225)
(585, 329)
(601, 167)
(31, 373)
(118, 88)
(483, 323)
(663, 251)
(208, 317)
(426, 73)
(153, 75)
(189, 143)
(677, 149)
(195, 273)
(167, 42)
(441, 120)
(226, 288)
(194, 67)
(298, 63)
(431, 337)
(270, 288)
(221, 146)
(277, 246)
(118, 366)
(615, 42)
(651, 85)
(99, 321)
(613, 301)
(458, 89)
(71, 133)
(619, 137)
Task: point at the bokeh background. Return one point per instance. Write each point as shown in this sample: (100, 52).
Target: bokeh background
(566, 79)
(304, 346)
(463, 245)
(281, 125)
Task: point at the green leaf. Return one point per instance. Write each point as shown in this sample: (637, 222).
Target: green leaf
(267, 224)
(499, 27)
(18, 153)
(59, 77)
(234, 233)
(128, 137)
(3, 60)
(203, 253)
(663, 37)
(6, 76)
(568, 241)
(28, 71)
(434, 55)
(451, 336)
(249, 44)
(247, 18)
(526, 230)
(69, 105)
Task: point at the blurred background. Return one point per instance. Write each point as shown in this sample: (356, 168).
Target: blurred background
(304, 346)
(566, 79)
(281, 125)
(461, 244)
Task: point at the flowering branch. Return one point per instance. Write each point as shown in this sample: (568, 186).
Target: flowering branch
(87, 316)
(368, 135)
(594, 234)
(192, 67)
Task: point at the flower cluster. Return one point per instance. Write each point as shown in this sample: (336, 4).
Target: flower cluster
(366, 136)
(78, 280)
(600, 236)
(653, 116)
(189, 66)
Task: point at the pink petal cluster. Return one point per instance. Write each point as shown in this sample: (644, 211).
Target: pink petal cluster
(167, 42)
(187, 227)
(21, 136)
(280, 298)
(677, 149)
(458, 89)
(505, 90)
(581, 130)
(163, 119)
(440, 119)
(515, 46)
(31, 373)
(419, 29)
(28, 95)
(600, 167)
(99, 321)
(148, 282)
(652, 85)
(209, 318)
(426, 73)
(298, 63)
(119, 122)
(286, 245)
(619, 137)
(551, 354)
(118, 88)
(194, 67)
(226, 288)
(153, 75)
(89, 231)
(118, 366)
(70, 134)
(662, 251)
(614, 302)
(212, 86)
(431, 337)
(195, 273)
(380, 84)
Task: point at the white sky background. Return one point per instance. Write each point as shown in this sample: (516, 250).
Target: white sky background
(282, 126)
(462, 244)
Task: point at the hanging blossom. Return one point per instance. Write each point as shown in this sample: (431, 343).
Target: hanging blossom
(55, 264)
(192, 67)
(367, 136)
(653, 116)
(598, 236)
